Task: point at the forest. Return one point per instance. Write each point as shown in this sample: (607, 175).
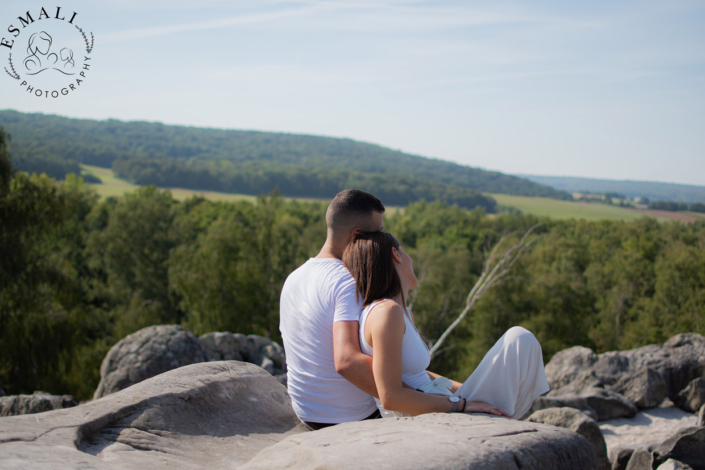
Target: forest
(79, 273)
(252, 162)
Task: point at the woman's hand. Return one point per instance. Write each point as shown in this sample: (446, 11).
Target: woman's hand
(479, 407)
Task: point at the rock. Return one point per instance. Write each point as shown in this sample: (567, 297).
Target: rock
(224, 346)
(38, 402)
(432, 441)
(213, 415)
(565, 365)
(584, 380)
(701, 416)
(641, 459)
(671, 464)
(146, 353)
(576, 421)
(646, 389)
(619, 456)
(687, 446)
(692, 398)
(679, 360)
(579, 403)
(598, 403)
(255, 349)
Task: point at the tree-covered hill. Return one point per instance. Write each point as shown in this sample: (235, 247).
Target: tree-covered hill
(225, 160)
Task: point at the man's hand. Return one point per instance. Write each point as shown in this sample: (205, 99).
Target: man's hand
(350, 362)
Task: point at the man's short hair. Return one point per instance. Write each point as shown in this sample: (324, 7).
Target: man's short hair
(351, 209)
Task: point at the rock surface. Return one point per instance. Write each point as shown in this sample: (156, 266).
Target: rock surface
(692, 398)
(433, 441)
(228, 414)
(678, 361)
(147, 353)
(687, 446)
(576, 421)
(38, 402)
(671, 464)
(701, 416)
(258, 350)
(210, 415)
(646, 388)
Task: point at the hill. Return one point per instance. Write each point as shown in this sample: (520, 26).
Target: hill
(685, 193)
(253, 162)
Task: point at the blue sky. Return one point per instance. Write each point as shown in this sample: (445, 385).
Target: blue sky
(607, 89)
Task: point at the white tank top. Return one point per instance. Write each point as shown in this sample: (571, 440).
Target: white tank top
(415, 357)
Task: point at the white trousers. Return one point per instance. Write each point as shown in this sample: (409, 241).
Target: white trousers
(510, 376)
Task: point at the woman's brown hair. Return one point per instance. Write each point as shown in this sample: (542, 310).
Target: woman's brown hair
(368, 257)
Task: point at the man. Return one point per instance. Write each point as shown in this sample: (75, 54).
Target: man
(330, 380)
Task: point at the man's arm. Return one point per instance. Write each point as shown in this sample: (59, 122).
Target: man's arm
(350, 362)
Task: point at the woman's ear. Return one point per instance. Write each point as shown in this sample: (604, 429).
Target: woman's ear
(396, 256)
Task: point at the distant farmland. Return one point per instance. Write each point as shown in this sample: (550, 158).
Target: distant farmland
(556, 209)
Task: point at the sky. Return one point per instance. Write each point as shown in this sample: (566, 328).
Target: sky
(604, 89)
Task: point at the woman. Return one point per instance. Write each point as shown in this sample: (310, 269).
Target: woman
(505, 383)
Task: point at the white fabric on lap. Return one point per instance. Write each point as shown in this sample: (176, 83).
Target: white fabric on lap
(510, 376)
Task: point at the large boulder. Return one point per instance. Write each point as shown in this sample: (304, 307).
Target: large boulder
(598, 403)
(701, 416)
(579, 403)
(678, 361)
(147, 353)
(692, 398)
(646, 388)
(211, 415)
(258, 350)
(38, 402)
(432, 441)
(687, 446)
(576, 421)
(228, 414)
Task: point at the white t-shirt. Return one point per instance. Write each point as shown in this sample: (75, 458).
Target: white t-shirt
(316, 295)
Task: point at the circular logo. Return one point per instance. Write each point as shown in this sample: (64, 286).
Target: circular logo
(49, 54)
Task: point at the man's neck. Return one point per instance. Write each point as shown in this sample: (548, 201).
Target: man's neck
(329, 250)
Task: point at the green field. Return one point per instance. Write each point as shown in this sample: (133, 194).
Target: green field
(556, 209)
(541, 206)
(114, 186)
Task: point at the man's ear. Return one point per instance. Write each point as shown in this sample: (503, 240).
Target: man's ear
(396, 256)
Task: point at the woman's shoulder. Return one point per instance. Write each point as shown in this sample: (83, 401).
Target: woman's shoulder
(386, 311)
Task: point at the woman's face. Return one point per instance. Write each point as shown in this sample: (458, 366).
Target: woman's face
(405, 268)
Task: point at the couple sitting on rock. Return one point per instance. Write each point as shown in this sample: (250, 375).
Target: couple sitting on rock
(352, 348)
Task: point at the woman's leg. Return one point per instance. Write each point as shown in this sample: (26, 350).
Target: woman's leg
(511, 375)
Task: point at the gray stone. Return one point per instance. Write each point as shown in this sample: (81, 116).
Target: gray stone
(579, 403)
(224, 346)
(583, 381)
(671, 464)
(38, 402)
(146, 353)
(641, 459)
(646, 389)
(692, 398)
(432, 441)
(619, 456)
(687, 446)
(215, 415)
(610, 405)
(701, 416)
(574, 420)
(567, 364)
(679, 360)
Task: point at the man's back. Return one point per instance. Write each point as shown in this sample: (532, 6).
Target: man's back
(314, 296)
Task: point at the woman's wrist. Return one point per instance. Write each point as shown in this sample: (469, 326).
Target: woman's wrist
(462, 408)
